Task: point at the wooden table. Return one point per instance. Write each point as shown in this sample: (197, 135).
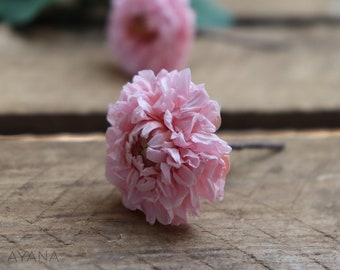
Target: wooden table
(263, 77)
(278, 67)
(280, 211)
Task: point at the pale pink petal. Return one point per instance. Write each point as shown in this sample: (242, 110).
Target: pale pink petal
(146, 184)
(168, 120)
(139, 115)
(149, 210)
(156, 156)
(148, 171)
(165, 173)
(164, 216)
(158, 139)
(176, 200)
(182, 82)
(200, 100)
(184, 176)
(179, 140)
(210, 143)
(190, 157)
(148, 127)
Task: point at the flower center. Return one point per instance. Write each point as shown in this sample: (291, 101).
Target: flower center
(139, 149)
(138, 28)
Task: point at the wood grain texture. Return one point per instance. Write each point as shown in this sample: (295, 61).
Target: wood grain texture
(281, 210)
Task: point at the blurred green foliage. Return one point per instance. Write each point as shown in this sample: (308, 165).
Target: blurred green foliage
(210, 15)
(21, 12)
(17, 12)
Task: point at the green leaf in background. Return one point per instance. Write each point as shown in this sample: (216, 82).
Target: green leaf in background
(209, 15)
(19, 12)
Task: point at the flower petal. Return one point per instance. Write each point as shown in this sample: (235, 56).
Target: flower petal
(168, 120)
(184, 176)
(154, 155)
(163, 215)
(148, 127)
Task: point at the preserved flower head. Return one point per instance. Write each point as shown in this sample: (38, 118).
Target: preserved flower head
(162, 151)
(151, 34)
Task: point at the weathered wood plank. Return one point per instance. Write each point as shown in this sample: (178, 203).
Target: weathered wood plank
(281, 210)
(56, 72)
(54, 81)
(288, 9)
(262, 70)
(271, 69)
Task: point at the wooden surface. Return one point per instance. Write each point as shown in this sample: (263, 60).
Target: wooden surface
(244, 70)
(269, 69)
(56, 72)
(287, 8)
(281, 210)
(49, 76)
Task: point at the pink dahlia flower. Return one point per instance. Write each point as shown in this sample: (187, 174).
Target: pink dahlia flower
(151, 34)
(162, 151)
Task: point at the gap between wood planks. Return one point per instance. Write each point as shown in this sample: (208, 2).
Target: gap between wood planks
(81, 123)
(285, 21)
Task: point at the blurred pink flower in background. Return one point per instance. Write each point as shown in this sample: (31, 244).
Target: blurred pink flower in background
(162, 151)
(151, 34)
